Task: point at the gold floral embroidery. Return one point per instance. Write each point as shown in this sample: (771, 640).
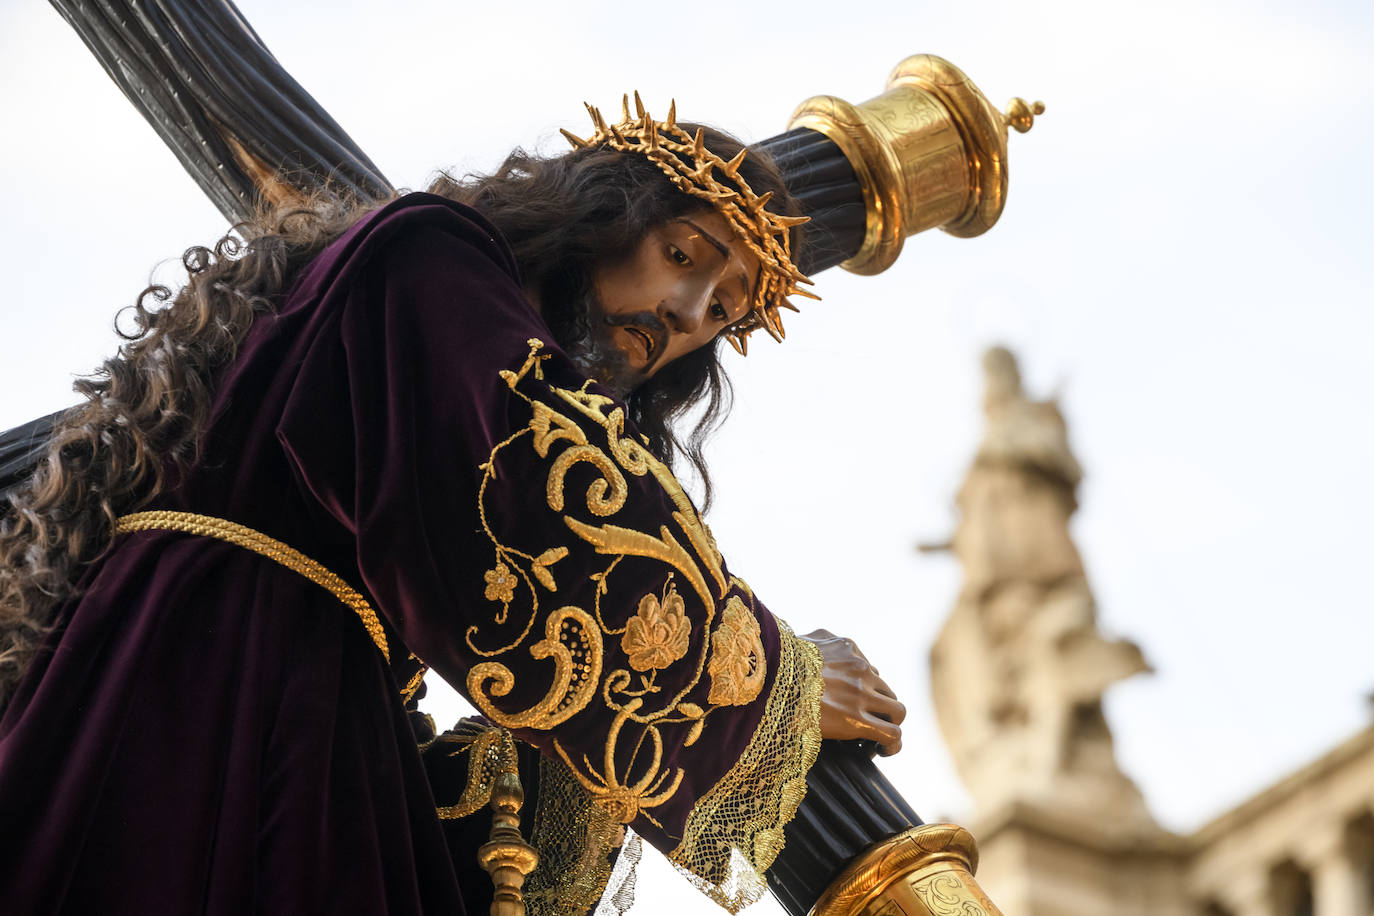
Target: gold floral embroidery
(737, 662)
(540, 566)
(500, 583)
(657, 636)
(631, 778)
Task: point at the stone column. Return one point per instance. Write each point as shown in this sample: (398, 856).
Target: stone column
(1252, 894)
(1338, 887)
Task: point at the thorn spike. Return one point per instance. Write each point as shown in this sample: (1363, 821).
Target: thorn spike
(625, 105)
(672, 113)
(639, 107)
(576, 141)
(787, 222)
(699, 143)
(732, 167)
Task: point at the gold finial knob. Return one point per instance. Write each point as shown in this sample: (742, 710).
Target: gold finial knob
(1021, 115)
(506, 856)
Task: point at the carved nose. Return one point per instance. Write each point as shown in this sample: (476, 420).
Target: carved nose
(686, 316)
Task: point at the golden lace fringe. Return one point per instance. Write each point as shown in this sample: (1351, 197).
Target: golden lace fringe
(575, 838)
(735, 831)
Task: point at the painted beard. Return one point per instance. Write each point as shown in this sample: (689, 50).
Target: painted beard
(585, 332)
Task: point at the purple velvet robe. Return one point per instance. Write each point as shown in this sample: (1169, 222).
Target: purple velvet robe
(208, 731)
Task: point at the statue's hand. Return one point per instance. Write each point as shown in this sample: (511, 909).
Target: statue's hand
(856, 702)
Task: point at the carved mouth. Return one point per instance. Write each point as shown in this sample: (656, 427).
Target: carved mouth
(646, 340)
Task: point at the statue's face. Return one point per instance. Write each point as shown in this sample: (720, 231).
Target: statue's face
(684, 283)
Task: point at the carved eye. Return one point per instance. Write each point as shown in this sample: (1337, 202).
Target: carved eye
(678, 255)
(718, 311)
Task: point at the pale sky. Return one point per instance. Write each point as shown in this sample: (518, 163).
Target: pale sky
(1183, 257)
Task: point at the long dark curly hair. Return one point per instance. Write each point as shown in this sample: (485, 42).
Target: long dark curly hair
(138, 433)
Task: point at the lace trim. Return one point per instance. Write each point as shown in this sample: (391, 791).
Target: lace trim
(620, 893)
(575, 838)
(735, 831)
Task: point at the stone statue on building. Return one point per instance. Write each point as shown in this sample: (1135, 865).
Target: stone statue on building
(1019, 669)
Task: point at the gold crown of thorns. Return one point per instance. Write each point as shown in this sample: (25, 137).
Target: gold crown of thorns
(697, 171)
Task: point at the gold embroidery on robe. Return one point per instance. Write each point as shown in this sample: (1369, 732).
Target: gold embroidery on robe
(737, 663)
(667, 641)
(573, 640)
(658, 635)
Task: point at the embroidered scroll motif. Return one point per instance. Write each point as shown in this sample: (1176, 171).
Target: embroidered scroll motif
(663, 653)
(573, 641)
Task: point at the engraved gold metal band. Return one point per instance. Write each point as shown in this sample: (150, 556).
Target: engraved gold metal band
(925, 871)
(930, 151)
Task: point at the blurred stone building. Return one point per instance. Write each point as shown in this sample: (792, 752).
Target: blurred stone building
(1018, 673)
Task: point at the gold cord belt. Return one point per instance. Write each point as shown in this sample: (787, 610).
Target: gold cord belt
(259, 543)
(496, 780)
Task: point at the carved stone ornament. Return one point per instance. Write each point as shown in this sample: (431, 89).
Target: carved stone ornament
(1020, 666)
